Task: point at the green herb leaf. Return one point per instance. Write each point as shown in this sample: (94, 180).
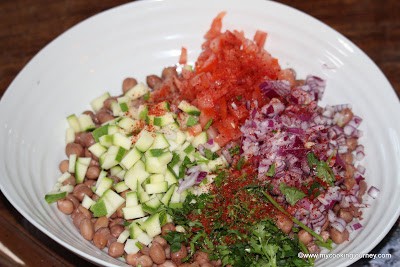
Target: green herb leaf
(292, 194)
(271, 170)
(325, 172)
(221, 175)
(175, 239)
(322, 169)
(234, 150)
(240, 163)
(185, 164)
(313, 190)
(312, 159)
(209, 154)
(208, 124)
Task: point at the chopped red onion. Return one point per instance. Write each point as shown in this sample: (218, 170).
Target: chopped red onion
(339, 161)
(319, 221)
(212, 132)
(305, 203)
(341, 221)
(201, 149)
(331, 204)
(317, 85)
(187, 182)
(328, 111)
(355, 121)
(340, 107)
(344, 203)
(296, 131)
(227, 155)
(349, 130)
(373, 192)
(343, 149)
(361, 169)
(323, 200)
(356, 226)
(360, 148)
(318, 229)
(338, 226)
(290, 126)
(271, 88)
(322, 208)
(193, 176)
(358, 178)
(331, 216)
(201, 177)
(360, 155)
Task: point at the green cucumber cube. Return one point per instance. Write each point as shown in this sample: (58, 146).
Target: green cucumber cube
(156, 188)
(188, 108)
(145, 141)
(133, 212)
(54, 196)
(74, 123)
(98, 102)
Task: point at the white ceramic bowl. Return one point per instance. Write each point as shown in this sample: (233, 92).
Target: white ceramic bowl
(141, 38)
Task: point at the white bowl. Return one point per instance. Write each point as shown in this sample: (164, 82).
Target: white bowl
(141, 38)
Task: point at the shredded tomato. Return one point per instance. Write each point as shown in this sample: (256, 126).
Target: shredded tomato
(225, 82)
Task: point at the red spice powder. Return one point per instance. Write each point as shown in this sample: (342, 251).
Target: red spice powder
(233, 205)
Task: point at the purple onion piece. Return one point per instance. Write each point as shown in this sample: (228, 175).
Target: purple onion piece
(356, 226)
(338, 226)
(201, 177)
(373, 192)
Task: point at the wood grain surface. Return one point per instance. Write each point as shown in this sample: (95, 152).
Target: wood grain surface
(26, 26)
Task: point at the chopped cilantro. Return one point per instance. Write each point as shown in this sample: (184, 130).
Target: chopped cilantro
(221, 175)
(208, 124)
(255, 244)
(292, 194)
(271, 170)
(175, 239)
(185, 164)
(325, 172)
(313, 190)
(234, 150)
(209, 154)
(322, 169)
(312, 159)
(240, 163)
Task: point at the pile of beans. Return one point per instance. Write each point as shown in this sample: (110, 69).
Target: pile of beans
(103, 231)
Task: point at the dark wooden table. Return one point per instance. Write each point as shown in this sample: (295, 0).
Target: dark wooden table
(26, 26)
